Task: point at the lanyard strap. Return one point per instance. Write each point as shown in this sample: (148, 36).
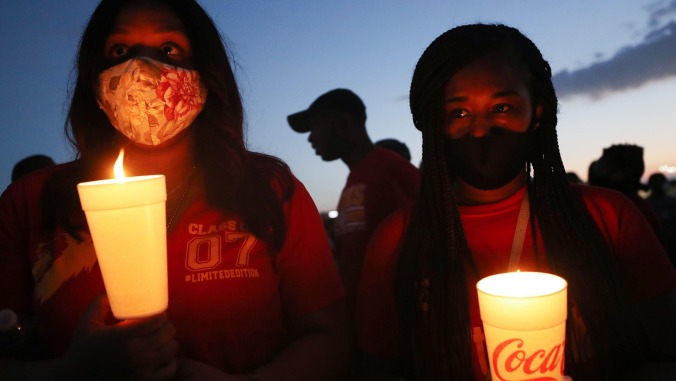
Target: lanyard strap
(517, 241)
(519, 234)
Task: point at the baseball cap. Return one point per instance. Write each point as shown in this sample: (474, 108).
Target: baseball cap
(341, 100)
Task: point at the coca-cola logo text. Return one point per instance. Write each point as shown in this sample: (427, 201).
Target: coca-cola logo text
(509, 358)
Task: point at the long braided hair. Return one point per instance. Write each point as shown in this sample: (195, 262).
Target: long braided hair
(435, 253)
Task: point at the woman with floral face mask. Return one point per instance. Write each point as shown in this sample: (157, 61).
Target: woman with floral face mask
(494, 198)
(154, 79)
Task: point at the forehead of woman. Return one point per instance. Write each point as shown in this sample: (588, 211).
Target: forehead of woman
(503, 65)
(149, 13)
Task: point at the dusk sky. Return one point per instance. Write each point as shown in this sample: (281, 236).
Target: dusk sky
(614, 63)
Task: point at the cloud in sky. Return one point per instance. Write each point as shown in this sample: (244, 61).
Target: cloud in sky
(631, 67)
(661, 11)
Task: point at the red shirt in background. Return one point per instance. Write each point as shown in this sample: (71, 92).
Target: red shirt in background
(381, 183)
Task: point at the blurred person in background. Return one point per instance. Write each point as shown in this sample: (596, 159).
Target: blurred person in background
(30, 164)
(395, 145)
(573, 178)
(665, 205)
(620, 167)
(380, 181)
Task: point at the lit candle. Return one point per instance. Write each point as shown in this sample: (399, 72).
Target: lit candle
(524, 318)
(127, 222)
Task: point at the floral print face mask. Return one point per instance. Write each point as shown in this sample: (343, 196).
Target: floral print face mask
(149, 101)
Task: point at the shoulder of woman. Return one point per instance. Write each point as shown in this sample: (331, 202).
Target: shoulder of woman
(398, 220)
(601, 197)
(273, 172)
(616, 214)
(387, 238)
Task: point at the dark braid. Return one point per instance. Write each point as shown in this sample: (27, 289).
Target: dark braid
(575, 247)
(435, 251)
(440, 338)
(440, 274)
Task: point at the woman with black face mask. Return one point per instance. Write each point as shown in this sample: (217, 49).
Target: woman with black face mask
(495, 198)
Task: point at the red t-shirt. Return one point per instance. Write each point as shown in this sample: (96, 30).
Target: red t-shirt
(378, 185)
(490, 230)
(228, 298)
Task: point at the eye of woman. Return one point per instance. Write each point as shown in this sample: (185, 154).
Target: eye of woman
(171, 49)
(118, 51)
(458, 113)
(502, 108)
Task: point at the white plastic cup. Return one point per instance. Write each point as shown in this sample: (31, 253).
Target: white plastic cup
(524, 318)
(127, 222)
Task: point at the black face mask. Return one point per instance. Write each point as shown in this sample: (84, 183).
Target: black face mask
(492, 161)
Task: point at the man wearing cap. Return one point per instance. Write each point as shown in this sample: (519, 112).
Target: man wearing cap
(380, 181)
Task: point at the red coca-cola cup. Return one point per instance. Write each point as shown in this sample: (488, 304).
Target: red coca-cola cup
(524, 318)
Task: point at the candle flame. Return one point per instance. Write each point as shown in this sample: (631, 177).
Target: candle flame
(118, 169)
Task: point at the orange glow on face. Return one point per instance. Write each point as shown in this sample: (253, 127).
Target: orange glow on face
(118, 169)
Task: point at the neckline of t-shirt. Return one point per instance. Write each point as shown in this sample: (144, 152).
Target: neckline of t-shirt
(509, 203)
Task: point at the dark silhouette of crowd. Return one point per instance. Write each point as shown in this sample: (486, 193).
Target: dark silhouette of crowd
(621, 167)
(662, 196)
